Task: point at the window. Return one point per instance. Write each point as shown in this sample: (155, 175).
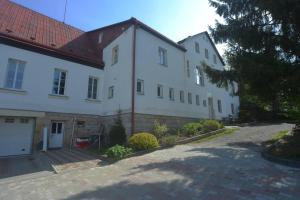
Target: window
(199, 76)
(59, 82)
(197, 100)
(92, 88)
(9, 120)
(56, 128)
(204, 103)
(188, 68)
(219, 106)
(190, 98)
(100, 38)
(24, 120)
(197, 48)
(215, 59)
(232, 108)
(15, 73)
(111, 92)
(162, 56)
(171, 94)
(206, 54)
(115, 55)
(181, 94)
(80, 124)
(159, 91)
(140, 86)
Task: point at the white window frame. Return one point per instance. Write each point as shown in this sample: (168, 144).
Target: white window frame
(197, 100)
(111, 92)
(190, 98)
(206, 53)
(215, 58)
(161, 91)
(219, 106)
(197, 47)
(204, 102)
(162, 56)
(19, 65)
(142, 86)
(93, 87)
(181, 96)
(199, 76)
(171, 94)
(115, 55)
(100, 38)
(188, 70)
(59, 82)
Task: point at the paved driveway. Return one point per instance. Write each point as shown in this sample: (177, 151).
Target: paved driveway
(225, 168)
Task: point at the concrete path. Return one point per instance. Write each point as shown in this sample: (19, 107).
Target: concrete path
(226, 168)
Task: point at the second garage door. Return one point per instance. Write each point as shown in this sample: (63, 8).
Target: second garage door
(15, 135)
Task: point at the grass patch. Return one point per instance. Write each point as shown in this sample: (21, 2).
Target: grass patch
(278, 136)
(220, 134)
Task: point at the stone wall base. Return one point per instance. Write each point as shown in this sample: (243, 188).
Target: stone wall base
(91, 125)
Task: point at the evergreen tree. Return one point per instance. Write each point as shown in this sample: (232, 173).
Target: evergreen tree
(117, 133)
(263, 52)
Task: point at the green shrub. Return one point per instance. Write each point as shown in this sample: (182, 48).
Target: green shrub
(210, 125)
(143, 141)
(118, 152)
(191, 129)
(159, 130)
(117, 133)
(169, 140)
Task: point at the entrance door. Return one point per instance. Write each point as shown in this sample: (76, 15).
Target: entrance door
(56, 135)
(211, 111)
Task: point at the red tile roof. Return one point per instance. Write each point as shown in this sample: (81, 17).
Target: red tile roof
(32, 28)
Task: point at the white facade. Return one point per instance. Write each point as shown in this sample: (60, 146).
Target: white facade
(36, 91)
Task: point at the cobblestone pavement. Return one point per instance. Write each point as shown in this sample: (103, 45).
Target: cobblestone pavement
(228, 167)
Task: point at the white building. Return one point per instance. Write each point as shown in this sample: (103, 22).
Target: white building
(70, 81)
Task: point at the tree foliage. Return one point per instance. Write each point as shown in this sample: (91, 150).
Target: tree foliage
(263, 51)
(117, 133)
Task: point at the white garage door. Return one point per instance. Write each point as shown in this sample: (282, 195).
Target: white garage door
(15, 135)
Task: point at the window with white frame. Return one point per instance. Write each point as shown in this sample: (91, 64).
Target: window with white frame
(111, 92)
(204, 103)
(199, 76)
(197, 47)
(188, 72)
(159, 91)
(115, 55)
(100, 38)
(59, 82)
(15, 74)
(232, 108)
(181, 96)
(215, 59)
(171, 94)
(92, 88)
(197, 100)
(219, 106)
(206, 54)
(162, 56)
(140, 86)
(190, 98)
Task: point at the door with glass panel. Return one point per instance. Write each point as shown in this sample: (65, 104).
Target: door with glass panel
(56, 134)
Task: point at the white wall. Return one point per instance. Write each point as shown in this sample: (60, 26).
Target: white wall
(118, 75)
(38, 80)
(175, 76)
(209, 90)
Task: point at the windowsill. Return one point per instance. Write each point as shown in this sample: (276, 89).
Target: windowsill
(140, 93)
(165, 65)
(160, 97)
(57, 96)
(114, 63)
(92, 100)
(13, 91)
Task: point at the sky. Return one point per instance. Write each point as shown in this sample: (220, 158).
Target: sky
(176, 19)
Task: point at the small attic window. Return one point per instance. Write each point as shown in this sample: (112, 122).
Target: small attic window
(100, 38)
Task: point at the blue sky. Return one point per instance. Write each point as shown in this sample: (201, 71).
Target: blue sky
(176, 19)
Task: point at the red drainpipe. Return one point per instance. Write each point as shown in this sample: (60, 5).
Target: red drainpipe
(133, 80)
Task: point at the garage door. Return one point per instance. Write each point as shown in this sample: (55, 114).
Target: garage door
(15, 135)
